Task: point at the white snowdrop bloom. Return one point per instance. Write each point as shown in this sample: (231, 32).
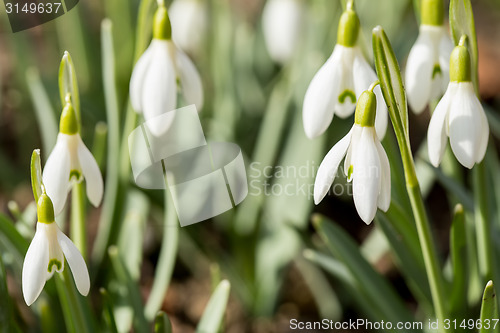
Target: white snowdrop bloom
(153, 85)
(282, 25)
(46, 255)
(70, 161)
(189, 22)
(366, 163)
(340, 81)
(460, 116)
(427, 67)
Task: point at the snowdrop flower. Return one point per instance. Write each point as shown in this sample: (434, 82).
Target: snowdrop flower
(459, 115)
(46, 255)
(427, 67)
(70, 161)
(189, 21)
(281, 24)
(366, 163)
(153, 85)
(342, 79)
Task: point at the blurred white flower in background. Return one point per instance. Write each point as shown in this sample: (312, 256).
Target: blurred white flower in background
(427, 67)
(340, 81)
(46, 255)
(189, 24)
(366, 163)
(282, 22)
(460, 116)
(153, 85)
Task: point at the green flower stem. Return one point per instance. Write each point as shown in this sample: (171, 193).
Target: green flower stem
(483, 228)
(78, 205)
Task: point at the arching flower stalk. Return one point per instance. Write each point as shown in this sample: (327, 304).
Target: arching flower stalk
(427, 67)
(46, 255)
(366, 163)
(340, 81)
(459, 115)
(70, 161)
(153, 85)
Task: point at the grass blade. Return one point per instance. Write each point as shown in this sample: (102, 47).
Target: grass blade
(162, 323)
(211, 319)
(489, 309)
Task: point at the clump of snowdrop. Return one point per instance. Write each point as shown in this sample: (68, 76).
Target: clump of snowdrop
(427, 68)
(282, 24)
(70, 161)
(46, 255)
(153, 85)
(366, 163)
(189, 21)
(340, 81)
(459, 115)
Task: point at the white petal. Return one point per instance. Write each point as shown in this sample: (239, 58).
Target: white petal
(465, 125)
(363, 73)
(445, 48)
(91, 173)
(281, 25)
(384, 198)
(356, 134)
(160, 87)
(35, 266)
(321, 96)
(485, 133)
(381, 118)
(189, 77)
(75, 262)
(189, 24)
(328, 168)
(418, 76)
(137, 79)
(366, 175)
(437, 132)
(346, 107)
(56, 173)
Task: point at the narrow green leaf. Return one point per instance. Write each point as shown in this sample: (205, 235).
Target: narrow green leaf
(371, 283)
(489, 309)
(99, 144)
(390, 81)
(462, 23)
(36, 174)
(162, 323)
(211, 319)
(5, 302)
(458, 252)
(68, 84)
(134, 295)
(44, 112)
(108, 311)
(416, 7)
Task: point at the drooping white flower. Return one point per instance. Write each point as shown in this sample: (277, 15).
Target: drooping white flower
(427, 67)
(282, 24)
(70, 161)
(340, 81)
(153, 85)
(46, 255)
(189, 22)
(366, 163)
(460, 116)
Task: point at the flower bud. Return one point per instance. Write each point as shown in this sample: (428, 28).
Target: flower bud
(68, 123)
(45, 209)
(348, 28)
(366, 109)
(162, 28)
(460, 66)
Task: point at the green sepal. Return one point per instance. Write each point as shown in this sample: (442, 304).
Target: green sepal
(460, 65)
(45, 209)
(366, 109)
(432, 12)
(68, 123)
(162, 29)
(348, 30)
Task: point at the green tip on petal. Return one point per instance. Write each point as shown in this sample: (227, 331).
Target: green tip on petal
(348, 28)
(460, 65)
(45, 209)
(366, 109)
(162, 29)
(68, 123)
(432, 12)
